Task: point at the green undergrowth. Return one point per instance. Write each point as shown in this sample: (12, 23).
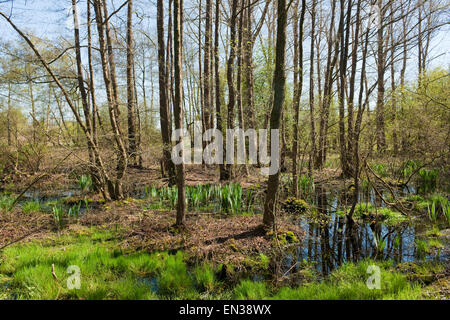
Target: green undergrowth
(424, 272)
(31, 206)
(368, 211)
(5, 202)
(422, 202)
(108, 272)
(436, 206)
(295, 206)
(349, 282)
(228, 199)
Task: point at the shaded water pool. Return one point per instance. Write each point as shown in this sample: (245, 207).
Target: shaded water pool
(326, 243)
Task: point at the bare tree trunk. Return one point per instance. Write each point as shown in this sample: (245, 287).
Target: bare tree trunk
(298, 85)
(403, 71)
(311, 87)
(248, 92)
(393, 86)
(9, 116)
(239, 79)
(381, 137)
(218, 90)
(138, 125)
(351, 102)
(279, 85)
(328, 87)
(164, 97)
(114, 187)
(230, 78)
(33, 109)
(420, 42)
(178, 104)
(249, 40)
(169, 65)
(352, 226)
(95, 115)
(131, 106)
(342, 79)
(206, 79)
(200, 71)
(84, 99)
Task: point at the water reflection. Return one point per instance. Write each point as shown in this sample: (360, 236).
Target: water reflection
(328, 243)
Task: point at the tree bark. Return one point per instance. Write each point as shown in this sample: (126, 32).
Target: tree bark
(311, 88)
(206, 68)
(131, 105)
(381, 64)
(298, 86)
(279, 85)
(218, 90)
(178, 104)
(230, 78)
(164, 98)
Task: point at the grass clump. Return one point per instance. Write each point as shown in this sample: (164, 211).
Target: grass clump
(231, 198)
(422, 249)
(250, 290)
(108, 272)
(265, 260)
(174, 279)
(85, 182)
(433, 232)
(6, 202)
(424, 272)
(367, 211)
(59, 216)
(348, 282)
(409, 167)
(428, 180)
(414, 198)
(380, 169)
(205, 277)
(31, 207)
(391, 218)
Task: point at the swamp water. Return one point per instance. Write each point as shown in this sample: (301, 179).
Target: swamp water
(325, 243)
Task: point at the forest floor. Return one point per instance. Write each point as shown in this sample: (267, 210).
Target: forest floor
(235, 246)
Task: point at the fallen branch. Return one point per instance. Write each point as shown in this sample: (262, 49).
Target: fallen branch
(54, 274)
(21, 238)
(401, 209)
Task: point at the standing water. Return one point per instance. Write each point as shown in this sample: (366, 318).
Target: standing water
(327, 245)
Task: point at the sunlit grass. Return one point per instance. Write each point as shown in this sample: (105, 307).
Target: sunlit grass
(108, 272)
(6, 202)
(346, 283)
(205, 277)
(31, 207)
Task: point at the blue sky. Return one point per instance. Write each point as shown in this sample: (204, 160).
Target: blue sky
(52, 18)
